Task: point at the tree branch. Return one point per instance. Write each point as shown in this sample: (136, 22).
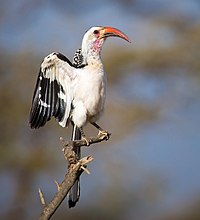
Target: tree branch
(75, 169)
(102, 136)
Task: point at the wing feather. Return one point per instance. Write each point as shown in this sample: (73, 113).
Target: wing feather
(53, 93)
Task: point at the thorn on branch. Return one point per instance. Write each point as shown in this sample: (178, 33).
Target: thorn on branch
(85, 169)
(84, 161)
(42, 199)
(57, 184)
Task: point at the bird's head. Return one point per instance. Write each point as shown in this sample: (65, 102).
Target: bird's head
(96, 36)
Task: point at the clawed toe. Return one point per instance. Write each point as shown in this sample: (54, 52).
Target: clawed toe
(87, 140)
(104, 133)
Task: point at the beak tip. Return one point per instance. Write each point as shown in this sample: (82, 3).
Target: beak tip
(129, 40)
(115, 32)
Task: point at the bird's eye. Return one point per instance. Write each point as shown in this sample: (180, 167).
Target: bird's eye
(96, 32)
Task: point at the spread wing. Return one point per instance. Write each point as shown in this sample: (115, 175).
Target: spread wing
(53, 91)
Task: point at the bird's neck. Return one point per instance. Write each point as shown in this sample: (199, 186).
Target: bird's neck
(92, 58)
(92, 53)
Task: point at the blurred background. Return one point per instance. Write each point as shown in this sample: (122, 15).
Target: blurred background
(149, 169)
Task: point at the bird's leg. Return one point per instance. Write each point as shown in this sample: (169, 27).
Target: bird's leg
(101, 130)
(84, 137)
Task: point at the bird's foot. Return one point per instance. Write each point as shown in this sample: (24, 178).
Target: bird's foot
(104, 133)
(87, 140)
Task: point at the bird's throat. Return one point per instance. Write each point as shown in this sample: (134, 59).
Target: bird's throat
(92, 53)
(97, 45)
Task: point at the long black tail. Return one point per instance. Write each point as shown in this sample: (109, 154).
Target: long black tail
(74, 192)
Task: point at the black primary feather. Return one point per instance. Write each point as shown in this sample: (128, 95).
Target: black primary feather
(47, 101)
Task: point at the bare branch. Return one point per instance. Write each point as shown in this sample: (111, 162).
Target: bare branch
(65, 186)
(80, 143)
(75, 169)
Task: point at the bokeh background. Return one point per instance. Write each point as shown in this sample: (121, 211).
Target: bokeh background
(149, 169)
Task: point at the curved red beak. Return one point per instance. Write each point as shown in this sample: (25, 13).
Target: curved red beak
(113, 32)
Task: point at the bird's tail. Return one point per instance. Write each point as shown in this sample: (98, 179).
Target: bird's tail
(74, 192)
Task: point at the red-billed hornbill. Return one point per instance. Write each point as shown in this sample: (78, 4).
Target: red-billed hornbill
(73, 92)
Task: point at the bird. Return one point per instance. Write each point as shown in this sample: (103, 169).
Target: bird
(73, 92)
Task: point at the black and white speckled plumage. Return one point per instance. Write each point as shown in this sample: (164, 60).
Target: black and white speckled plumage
(78, 59)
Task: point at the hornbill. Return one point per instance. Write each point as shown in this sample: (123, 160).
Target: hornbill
(73, 91)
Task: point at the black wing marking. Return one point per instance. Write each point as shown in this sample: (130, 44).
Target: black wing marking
(50, 98)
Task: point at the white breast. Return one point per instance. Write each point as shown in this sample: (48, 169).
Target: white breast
(89, 94)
